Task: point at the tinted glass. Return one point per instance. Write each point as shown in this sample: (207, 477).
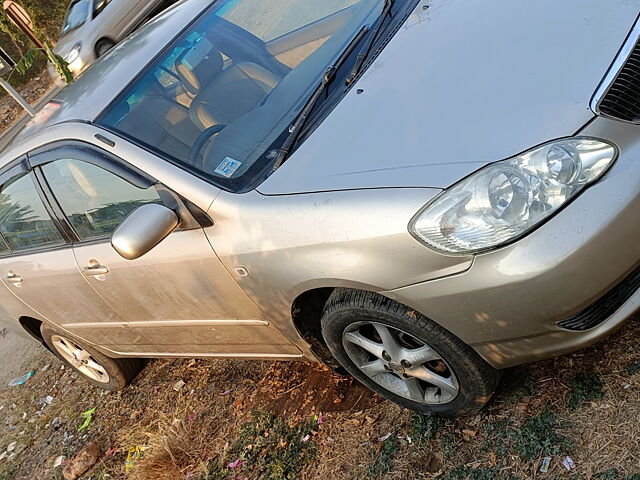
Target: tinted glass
(220, 99)
(269, 20)
(3, 247)
(94, 200)
(76, 16)
(24, 222)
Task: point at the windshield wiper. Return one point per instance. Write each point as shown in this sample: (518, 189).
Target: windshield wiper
(327, 78)
(365, 51)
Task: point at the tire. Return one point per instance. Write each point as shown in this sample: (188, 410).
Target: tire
(467, 381)
(103, 46)
(119, 372)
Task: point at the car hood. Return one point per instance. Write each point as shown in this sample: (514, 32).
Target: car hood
(462, 84)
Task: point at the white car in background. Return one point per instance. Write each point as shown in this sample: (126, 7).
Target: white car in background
(92, 27)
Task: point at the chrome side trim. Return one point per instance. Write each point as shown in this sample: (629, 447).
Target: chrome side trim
(613, 72)
(234, 356)
(168, 323)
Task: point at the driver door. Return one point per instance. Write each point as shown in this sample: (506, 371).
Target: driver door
(178, 298)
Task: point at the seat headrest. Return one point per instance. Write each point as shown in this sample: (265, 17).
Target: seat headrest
(199, 65)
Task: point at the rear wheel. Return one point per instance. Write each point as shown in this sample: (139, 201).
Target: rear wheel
(102, 371)
(404, 356)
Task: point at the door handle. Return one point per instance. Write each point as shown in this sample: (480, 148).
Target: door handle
(14, 278)
(94, 269)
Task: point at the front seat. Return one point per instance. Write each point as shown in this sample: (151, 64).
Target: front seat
(222, 95)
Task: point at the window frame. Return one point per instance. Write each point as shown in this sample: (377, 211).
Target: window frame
(191, 217)
(19, 168)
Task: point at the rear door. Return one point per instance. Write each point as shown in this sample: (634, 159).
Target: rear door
(178, 298)
(38, 266)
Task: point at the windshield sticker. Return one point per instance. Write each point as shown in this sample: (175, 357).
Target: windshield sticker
(228, 167)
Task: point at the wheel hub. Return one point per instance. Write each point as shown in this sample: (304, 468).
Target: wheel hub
(400, 363)
(396, 367)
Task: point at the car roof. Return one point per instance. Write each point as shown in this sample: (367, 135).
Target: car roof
(85, 98)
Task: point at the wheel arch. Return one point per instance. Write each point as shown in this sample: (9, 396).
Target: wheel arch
(306, 312)
(102, 38)
(32, 327)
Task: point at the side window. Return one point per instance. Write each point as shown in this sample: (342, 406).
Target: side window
(99, 6)
(24, 222)
(94, 200)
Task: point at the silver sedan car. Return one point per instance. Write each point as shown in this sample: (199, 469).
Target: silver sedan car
(92, 27)
(417, 193)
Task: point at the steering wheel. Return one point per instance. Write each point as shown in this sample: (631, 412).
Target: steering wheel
(200, 142)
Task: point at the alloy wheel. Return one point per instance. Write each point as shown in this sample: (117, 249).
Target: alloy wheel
(80, 359)
(400, 363)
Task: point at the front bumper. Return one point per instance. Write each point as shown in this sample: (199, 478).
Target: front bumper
(508, 304)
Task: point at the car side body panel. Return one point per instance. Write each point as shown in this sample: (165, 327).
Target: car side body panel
(291, 244)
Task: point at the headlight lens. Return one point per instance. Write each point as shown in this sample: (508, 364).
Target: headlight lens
(504, 200)
(73, 55)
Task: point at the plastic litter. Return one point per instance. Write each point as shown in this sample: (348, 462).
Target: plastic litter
(58, 461)
(568, 463)
(306, 438)
(385, 437)
(133, 454)
(546, 462)
(88, 416)
(236, 463)
(20, 380)
(11, 446)
(178, 385)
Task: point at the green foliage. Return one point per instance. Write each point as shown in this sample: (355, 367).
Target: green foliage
(537, 437)
(448, 444)
(585, 386)
(614, 474)
(426, 427)
(59, 63)
(461, 472)
(27, 61)
(518, 383)
(384, 460)
(633, 368)
(267, 447)
(47, 16)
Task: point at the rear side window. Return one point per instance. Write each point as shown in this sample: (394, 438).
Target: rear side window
(24, 222)
(94, 200)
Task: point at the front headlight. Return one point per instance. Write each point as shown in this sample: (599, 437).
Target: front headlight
(73, 55)
(505, 200)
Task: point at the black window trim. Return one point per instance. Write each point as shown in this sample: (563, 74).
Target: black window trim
(89, 153)
(191, 217)
(19, 168)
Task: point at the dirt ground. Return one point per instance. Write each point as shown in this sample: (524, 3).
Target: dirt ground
(33, 91)
(278, 420)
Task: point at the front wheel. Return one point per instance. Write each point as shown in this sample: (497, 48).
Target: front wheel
(103, 46)
(102, 371)
(404, 356)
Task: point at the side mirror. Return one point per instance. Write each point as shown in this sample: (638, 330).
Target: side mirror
(143, 229)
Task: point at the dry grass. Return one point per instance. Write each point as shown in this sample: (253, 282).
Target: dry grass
(585, 405)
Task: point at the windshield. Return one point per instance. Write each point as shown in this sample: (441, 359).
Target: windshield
(76, 16)
(221, 97)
